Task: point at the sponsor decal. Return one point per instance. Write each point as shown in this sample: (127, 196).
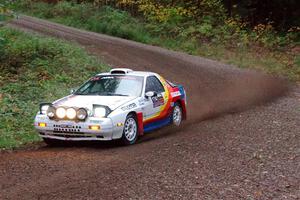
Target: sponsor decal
(107, 77)
(141, 102)
(129, 107)
(66, 126)
(96, 78)
(41, 117)
(95, 121)
(157, 101)
(175, 94)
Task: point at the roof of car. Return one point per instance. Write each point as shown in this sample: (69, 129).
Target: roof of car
(125, 71)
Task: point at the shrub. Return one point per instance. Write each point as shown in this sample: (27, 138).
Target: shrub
(117, 23)
(189, 26)
(32, 69)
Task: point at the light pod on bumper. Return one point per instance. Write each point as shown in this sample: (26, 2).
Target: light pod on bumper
(42, 124)
(94, 127)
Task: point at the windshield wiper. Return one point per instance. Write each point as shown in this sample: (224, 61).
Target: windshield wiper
(80, 94)
(112, 94)
(123, 95)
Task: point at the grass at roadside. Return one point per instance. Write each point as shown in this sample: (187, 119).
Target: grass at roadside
(243, 53)
(35, 69)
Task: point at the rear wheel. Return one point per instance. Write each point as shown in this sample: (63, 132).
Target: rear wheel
(130, 131)
(177, 114)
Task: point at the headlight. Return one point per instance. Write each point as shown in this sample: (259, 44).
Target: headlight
(44, 107)
(71, 113)
(100, 111)
(81, 113)
(61, 112)
(51, 112)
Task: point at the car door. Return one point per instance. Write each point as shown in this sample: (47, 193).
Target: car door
(153, 105)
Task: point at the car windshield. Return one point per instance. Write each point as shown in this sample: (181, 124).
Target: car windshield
(112, 85)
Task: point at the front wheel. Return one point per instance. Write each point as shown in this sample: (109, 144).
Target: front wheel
(177, 114)
(130, 131)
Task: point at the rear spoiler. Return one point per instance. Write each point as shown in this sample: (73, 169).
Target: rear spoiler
(171, 84)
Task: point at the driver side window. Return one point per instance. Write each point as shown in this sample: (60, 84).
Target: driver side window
(153, 84)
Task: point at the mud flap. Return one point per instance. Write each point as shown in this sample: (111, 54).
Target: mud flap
(140, 123)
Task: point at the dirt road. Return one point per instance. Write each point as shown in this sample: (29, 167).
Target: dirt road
(225, 150)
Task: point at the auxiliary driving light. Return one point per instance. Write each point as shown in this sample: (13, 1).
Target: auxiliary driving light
(71, 113)
(51, 112)
(61, 112)
(81, 113)
(94, 127)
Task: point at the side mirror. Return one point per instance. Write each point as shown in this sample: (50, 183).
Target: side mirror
(150, 94)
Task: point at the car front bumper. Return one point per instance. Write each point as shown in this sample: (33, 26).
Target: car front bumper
(74, 131)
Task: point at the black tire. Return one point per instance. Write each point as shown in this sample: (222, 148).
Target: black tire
(177, 114)
(130, 131)
(53, 142)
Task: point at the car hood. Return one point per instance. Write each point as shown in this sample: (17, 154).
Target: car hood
(87, 101)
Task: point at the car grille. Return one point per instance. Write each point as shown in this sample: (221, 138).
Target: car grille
(62, 128)
(66, 130)
(70, 132)
(74, 136)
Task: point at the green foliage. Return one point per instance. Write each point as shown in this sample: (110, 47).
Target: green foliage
(181, 26)
(104, 20)
(39, 9)
(117, 23)
(5, 13)
(33, 70)
(283, 14)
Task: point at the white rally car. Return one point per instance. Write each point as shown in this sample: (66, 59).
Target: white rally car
(122, 104)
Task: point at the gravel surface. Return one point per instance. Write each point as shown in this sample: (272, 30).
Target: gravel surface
(241, 140)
